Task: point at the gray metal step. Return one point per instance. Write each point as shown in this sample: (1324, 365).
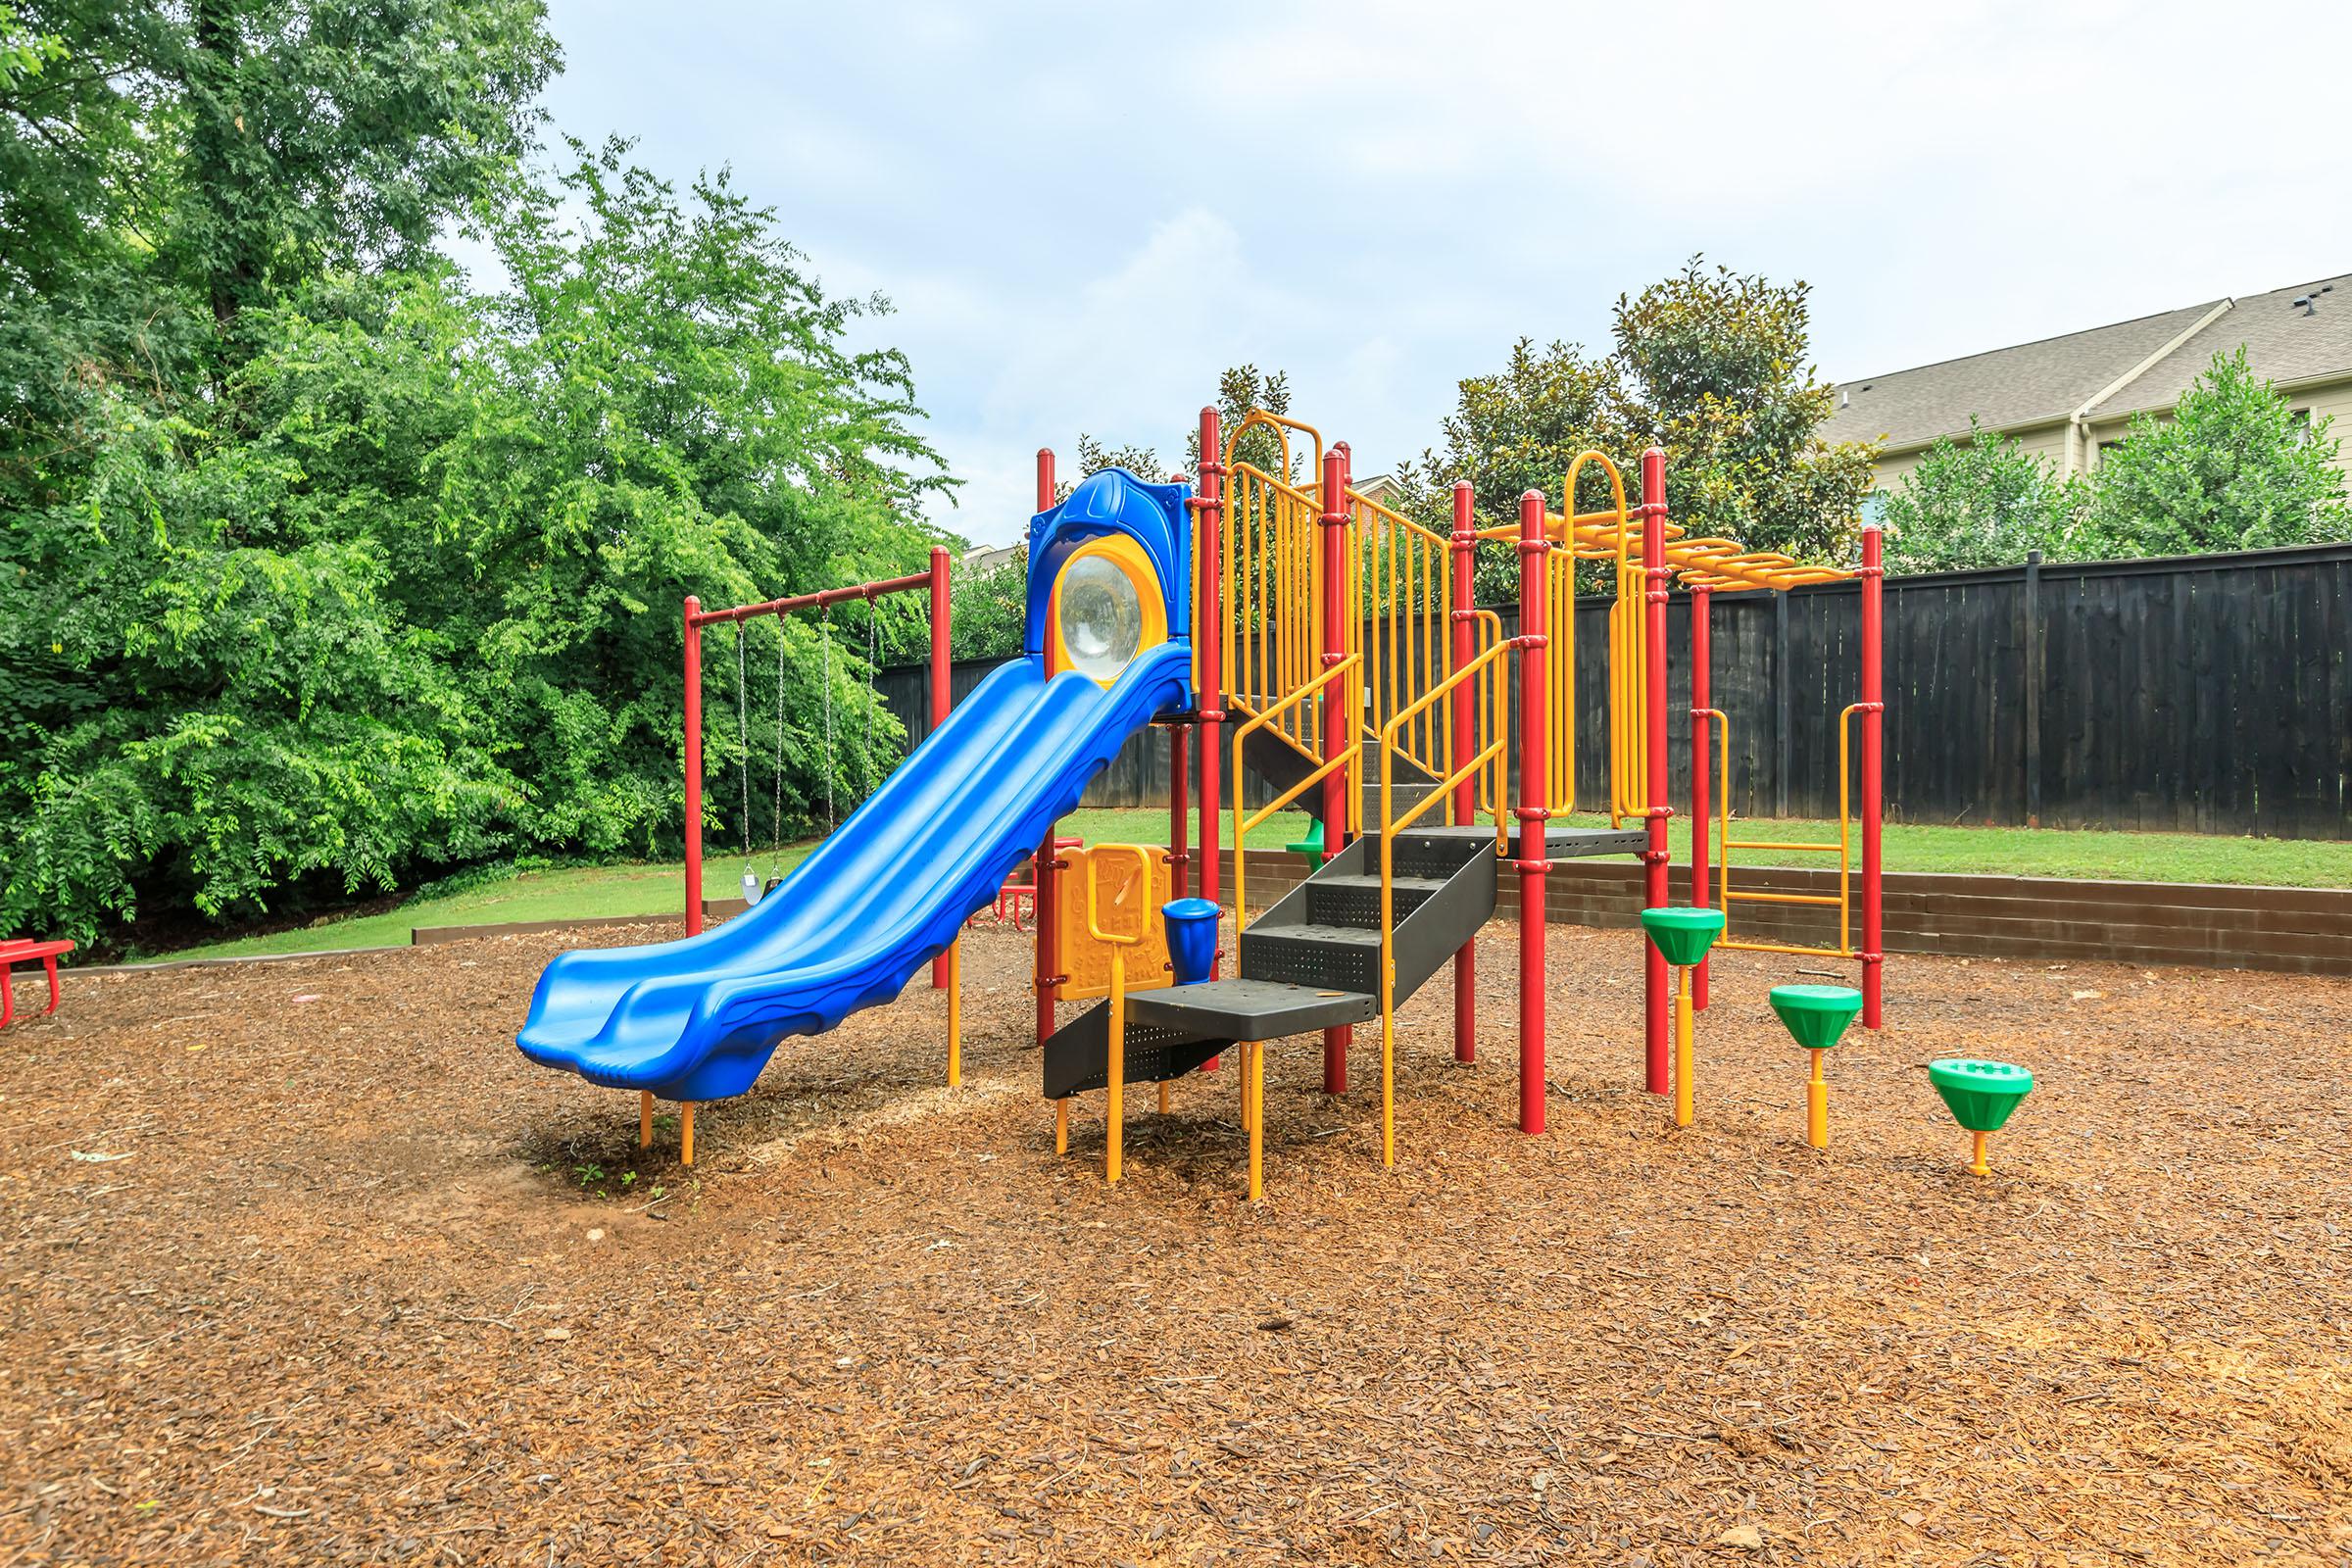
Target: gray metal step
(1330, 957)
(1251, 1009)
(1354, 901)
(1077, 1058)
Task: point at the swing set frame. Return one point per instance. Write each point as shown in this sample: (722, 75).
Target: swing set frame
(932, 581)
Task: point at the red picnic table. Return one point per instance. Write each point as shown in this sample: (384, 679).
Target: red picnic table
(23, 951)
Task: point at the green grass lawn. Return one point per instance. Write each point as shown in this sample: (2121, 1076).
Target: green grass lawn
(589, 892)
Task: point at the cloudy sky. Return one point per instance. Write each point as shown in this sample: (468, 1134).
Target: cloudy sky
(1083, 211)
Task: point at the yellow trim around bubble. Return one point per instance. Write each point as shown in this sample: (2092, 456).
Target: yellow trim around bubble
(1129, 557)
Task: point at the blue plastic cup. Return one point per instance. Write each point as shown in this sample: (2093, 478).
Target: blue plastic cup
(1192, 938)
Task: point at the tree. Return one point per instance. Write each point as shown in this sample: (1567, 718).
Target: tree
(406, 594)
(1715, 372)
(250, 144)
(1983, 501)
(1708, 364)
(2230, 471)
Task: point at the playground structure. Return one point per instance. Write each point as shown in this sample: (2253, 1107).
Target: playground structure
(1330, 645)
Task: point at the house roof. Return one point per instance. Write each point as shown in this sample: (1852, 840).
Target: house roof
(2032, 384)
(2283, 343)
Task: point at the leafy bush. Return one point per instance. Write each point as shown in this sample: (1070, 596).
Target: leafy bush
(2230, 471)
(1982, 502)
(404, 592)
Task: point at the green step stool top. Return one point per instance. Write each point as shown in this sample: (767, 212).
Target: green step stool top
(1980, 1095)
(1684, 936)
(1816, 1015)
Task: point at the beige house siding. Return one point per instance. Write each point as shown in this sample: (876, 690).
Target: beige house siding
(2061, 398)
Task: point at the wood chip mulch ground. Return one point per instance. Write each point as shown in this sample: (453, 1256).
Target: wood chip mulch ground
(304, 1265)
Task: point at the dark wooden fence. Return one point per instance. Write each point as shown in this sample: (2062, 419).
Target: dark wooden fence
(2207, 694)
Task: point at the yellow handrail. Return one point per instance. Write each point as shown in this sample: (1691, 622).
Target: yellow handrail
(1392, 824)
(1352, 757)
(1115, 1050)
(1270, 568)
(1725, 844)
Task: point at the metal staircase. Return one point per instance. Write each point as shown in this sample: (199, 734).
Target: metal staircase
(1311, 961)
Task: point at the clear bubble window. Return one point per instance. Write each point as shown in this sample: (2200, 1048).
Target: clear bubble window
(1102, 617)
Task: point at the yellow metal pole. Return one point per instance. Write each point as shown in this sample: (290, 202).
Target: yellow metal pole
(1817, 1107)
(1118, 1064)
(1256, 1066)
(1683, 1093)
(645, 1118)
(1163, 1096)
(1061, 1125)
(1978, 1167)
(686, 1132)
(955, 1014)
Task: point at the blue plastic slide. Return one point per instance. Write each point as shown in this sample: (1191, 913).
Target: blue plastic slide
(696, 1019)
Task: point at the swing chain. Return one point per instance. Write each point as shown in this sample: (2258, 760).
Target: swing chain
(873, 656)
(825, 614)
(743, 734)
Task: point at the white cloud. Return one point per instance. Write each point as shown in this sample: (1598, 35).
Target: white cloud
(1084, 212)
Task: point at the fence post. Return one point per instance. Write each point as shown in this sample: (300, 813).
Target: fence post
(2032, 613)
(1782, 680)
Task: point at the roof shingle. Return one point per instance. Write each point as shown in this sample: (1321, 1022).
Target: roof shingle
(2032, 384)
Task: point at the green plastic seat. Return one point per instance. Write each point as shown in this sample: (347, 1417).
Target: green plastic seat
(1816, 1015)
(1684, 936)
(1980, 1094)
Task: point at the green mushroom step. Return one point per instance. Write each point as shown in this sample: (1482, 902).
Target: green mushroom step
(1683, 935)
(1980, 1094)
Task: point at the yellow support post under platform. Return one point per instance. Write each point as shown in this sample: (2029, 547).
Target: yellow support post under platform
(1684, 1091)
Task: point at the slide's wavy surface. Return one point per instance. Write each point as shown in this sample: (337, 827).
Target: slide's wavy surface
(697, 1018)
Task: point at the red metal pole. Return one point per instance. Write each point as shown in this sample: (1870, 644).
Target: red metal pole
(1461, 711)
(1180, 786)
(1208, 591)
(1702, 639)
(1534, 801)
(1180, 790)
(1873, 719)
(940, 613)
(1048, 918)
(1654, 1012)
(694, 765)
(1337, 709)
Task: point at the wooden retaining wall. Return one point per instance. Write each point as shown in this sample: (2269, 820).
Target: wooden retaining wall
(2297, 930)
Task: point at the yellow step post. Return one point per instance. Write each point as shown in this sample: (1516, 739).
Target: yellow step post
(1113, 1136)
(645, 1118)
(1684, 1092)
(1816, 1106)
(955, 1014)
(686, 1132)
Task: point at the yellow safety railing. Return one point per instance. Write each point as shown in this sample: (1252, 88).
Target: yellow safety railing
(1841, 901)
(1351, 759)
(1484, 670)
(1405, 589)
(1273, 581)
(1115, 1059)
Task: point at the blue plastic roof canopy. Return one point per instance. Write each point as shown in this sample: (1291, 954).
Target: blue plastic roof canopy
(1156, 516)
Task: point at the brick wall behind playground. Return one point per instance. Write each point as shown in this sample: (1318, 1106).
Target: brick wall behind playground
(2301, 930)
